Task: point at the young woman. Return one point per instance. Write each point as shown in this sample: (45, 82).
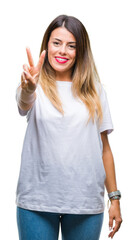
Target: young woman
(66, 159)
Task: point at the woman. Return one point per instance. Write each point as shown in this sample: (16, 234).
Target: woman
(66, 156)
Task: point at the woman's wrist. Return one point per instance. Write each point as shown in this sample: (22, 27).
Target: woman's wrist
(115, 194)
(115, 201)
(25, 99)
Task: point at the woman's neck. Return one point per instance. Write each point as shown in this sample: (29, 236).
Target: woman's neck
(63, 77)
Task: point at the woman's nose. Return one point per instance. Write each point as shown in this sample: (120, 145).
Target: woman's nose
(62, 49)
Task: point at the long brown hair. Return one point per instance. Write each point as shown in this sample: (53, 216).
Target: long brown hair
(84, 73)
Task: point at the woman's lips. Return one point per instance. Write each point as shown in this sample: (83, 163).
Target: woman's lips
(61, 60)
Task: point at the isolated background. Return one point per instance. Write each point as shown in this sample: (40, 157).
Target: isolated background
(112, 28)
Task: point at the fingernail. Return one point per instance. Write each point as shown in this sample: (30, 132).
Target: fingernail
(110, 228)
(44, 51)
(25, 72)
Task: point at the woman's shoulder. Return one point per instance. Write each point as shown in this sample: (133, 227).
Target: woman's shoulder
(101, 91)
(99, 87)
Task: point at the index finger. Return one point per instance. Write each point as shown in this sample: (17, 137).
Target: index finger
(30, 58)
(41, 60)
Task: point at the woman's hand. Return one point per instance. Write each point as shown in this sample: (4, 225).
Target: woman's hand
(30, 75)
(114, 214)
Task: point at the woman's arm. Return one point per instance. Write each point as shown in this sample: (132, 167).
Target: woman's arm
(25, 99)
(111, 184)
(109, 166)
(25, 94)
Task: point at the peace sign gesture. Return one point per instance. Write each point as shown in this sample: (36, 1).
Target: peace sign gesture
(30, 75)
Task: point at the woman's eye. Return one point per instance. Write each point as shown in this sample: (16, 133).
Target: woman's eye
(72, 46)
(56, 43)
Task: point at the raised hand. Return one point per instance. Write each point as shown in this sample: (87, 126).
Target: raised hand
(30, 75)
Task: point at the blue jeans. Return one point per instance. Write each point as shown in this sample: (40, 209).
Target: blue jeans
(36, 225)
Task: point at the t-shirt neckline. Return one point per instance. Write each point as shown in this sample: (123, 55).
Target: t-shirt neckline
(64, 83)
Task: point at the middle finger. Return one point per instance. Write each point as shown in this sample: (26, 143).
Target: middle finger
(41, 60)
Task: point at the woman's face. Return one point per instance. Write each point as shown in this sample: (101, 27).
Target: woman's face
(62, 50)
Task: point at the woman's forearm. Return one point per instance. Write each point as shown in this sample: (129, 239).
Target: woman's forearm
(25, 99)
(109, 166)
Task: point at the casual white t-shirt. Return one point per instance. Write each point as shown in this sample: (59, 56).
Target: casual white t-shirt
(61, 167)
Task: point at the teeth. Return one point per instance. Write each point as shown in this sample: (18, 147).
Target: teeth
(61, 59)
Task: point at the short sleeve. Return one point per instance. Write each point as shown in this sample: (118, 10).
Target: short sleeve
(107, 123)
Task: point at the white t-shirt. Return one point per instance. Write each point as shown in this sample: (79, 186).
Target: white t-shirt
(61, 167)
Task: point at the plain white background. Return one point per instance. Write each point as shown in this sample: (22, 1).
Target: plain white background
(112, 28)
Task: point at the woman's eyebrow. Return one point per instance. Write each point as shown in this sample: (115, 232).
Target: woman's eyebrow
(61, 41)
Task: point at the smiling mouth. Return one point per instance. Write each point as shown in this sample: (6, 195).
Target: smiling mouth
(61, 60)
